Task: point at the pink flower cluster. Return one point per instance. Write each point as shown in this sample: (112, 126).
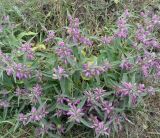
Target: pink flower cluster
(75, 113)
(50, 36)
(27, 49)
(150, 64)
(74, 32)
(107, 39)
(144, 33)
(92, 70)
(59, 73)
(100, 128)
(134, 91)
(34, 116)
(126, 65)
(34, 94)
(64, 52)
(122, 31)
(145, 37)
(19, 70)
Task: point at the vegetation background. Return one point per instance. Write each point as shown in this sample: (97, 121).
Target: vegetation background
(96, 16)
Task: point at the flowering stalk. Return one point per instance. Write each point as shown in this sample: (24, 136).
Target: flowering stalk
(34, 116)
(75, 114)
(59, 73)
(134, 91)
(100, 127)
(74, 32)
(92, 71)
(50, 36)
(64, 52)
(27, 48)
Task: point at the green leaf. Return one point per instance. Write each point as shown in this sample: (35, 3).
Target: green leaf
(71, 124)
(124, 77)
(51, 135)
(134, 78)
(21, 35)
(66, 86)
(87, 124)
(80, 105)
(63, 107)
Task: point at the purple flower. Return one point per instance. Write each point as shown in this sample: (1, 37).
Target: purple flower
(122, 31)
(99, 92)
(60, 112)
(74, 32)
(27, 48)
(59, 73)
(21, 71)
(40, 131)
(92, 70)
(74, 113)
(90, 97)
(5, 18)
(62, 100)
(155, 19)
(50, 36)
(37, 115)
(30, 55)
(64, 52)
(37, 90)
(141, 88)
(134, 91)
(106, 66)
(10, 71)
(94, 95)
(73, 29)
(62, 44)
(121, 22)
(85, 41)
(149, 64)
(145, 70)
(96, 71)
(34, 115)
(125, 65)
(21, 92)
(86, 71)
(150, 90)
(125, 89)
(126, 13)
(142, 14)
(100, 127)
(134, 98)
(23, 118)
(4, 103)
(107, 107)
(145, 37)
(107, 40)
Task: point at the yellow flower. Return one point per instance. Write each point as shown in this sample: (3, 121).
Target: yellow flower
(39, 47)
